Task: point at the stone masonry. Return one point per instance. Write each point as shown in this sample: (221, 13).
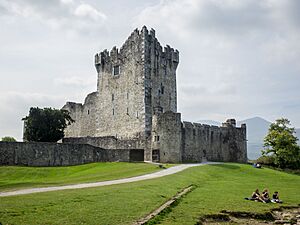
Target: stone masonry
(136, 103)
(132, 81)
(58, 154)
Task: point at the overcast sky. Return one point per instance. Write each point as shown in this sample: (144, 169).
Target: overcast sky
(238, 58)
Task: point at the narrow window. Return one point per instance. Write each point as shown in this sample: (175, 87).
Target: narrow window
(127, 111)
(137, 114)
(127, 95)
(157, 138)
(113, 112)
(88, 112)
(116, 70)
(112, 97)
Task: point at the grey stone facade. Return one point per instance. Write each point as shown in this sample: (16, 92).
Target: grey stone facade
(136, 105)
(58, 154)
(132, 81)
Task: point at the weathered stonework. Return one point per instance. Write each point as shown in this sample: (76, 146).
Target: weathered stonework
(123, 104)
(58, 154)
(135, 106)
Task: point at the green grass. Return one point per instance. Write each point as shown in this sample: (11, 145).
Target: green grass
(16, 177)
(218, 187)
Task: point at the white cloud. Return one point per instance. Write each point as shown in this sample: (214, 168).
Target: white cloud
(76, 82)
(86, 10)
(237, 58)
(67, 1)
(232, 54)
(57, 14)
(15, 106)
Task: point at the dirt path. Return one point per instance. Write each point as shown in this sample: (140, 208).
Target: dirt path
(163, 207)
(162, 173)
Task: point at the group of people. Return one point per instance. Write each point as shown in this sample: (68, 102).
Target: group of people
(264, 197)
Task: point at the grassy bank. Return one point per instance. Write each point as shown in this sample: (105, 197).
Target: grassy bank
(16, 177)
(217, 187)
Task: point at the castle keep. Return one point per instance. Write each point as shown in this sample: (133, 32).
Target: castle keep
(135, 107)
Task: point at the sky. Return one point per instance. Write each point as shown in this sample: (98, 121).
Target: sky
(238, 59)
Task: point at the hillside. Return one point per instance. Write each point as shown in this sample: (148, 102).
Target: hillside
(226, 185)
(209, 122)
(18, 177)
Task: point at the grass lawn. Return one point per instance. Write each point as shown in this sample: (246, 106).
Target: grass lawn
(16, 177)
(218, 187)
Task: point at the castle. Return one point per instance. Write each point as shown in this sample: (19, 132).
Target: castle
(135, 107)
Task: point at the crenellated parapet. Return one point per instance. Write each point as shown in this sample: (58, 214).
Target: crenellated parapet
(206, 142)
(140, 42)
(230, 123)
(132, 47)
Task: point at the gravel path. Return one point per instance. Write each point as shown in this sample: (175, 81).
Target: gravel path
(162, 173)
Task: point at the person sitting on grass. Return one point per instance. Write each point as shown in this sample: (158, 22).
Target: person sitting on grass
(255, 196)
(265, 196)
(256, 165)
(275, 198)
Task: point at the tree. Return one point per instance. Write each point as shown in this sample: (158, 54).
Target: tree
(46, 125)
(281, 144)
(8, 139)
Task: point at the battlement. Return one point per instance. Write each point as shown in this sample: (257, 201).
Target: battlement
(91, 98)
(73, 105)
(138, 42)
(228, 123)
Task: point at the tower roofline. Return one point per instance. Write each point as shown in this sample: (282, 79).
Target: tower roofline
(104, 55)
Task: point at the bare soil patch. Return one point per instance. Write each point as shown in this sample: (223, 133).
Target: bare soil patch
(283, 215)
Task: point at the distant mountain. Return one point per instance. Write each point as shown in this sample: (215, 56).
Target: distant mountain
(298, 135)
(209, 122)
(257, 129)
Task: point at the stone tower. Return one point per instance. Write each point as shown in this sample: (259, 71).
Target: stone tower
(134, 82)
(134, 110)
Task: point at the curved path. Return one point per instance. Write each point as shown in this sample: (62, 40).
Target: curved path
(162, 173)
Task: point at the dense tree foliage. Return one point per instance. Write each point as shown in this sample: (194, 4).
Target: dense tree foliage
(281, 144)
(46, 125)
(8, 139)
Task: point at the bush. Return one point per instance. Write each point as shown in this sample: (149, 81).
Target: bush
(46, 125)
(266, 160)
(8, 139)
(281, 144)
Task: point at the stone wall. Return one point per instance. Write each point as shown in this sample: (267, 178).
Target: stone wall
(194, 142)
(120, 104)
(108, 142)
(57, 154)
(203, 142)
(85, 116)
(166, 137)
